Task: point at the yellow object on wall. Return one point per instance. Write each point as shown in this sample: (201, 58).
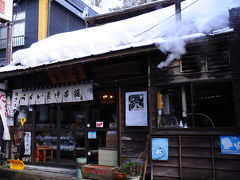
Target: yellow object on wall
(42, 19)
(159, 101)
(16, 164)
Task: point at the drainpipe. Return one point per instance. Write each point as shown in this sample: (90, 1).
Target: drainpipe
(49, 16)
(9, 43)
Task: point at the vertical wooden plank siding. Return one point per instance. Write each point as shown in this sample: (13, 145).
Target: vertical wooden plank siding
(120, 124)
(200, 157)
(42, 19)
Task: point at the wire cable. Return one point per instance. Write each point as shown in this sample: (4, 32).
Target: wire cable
(164, 20)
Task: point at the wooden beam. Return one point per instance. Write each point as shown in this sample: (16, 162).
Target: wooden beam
(42, 19)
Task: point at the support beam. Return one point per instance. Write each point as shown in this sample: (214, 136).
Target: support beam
(42, 19)
(9, 43)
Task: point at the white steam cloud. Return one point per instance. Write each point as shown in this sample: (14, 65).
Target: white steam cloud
(199, 16)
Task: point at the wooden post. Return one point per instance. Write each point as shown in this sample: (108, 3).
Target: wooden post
(146, 159)
(178, 10)
(9, 43)
(120, 124)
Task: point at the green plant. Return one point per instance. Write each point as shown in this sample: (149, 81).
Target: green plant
(132, 168)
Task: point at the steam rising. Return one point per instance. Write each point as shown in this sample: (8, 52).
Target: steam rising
(199, 17)
(202, 16)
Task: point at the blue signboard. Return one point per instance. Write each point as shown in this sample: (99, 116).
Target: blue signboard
(160, 149)
(92, 135)
(230, 144)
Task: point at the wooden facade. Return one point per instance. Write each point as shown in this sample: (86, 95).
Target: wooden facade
(209, 72)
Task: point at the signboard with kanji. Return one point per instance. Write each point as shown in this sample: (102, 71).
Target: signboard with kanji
(6, 9)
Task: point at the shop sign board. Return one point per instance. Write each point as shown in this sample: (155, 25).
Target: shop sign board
(76, 93)
(27, 143)
(230, 144)
(6, 10)
(160, 149)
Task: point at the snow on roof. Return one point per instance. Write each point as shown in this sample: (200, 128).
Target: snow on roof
(157, 27)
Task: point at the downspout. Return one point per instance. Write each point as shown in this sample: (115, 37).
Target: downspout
(49, 17)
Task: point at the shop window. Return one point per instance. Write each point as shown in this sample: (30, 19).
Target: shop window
(72, 145)
(46, 116)
(103, 111)
(214, 105)
(211, 106)
(173, 103)
(45, 147)
(73, 116)
(100, 146)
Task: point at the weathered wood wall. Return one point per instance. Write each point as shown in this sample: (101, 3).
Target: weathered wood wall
(196, 157)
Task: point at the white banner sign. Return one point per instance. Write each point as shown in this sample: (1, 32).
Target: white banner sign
(27, 143)
(3, 114)
(136, 108)
(77, 93)
(6, 9)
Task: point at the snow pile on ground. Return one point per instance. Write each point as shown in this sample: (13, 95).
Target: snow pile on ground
(199, 17)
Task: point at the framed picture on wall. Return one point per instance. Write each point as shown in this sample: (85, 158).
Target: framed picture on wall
(160, 149)
(136, 108)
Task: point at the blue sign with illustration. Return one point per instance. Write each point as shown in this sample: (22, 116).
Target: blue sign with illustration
(160, 149)
(92, 135)
(230, 144)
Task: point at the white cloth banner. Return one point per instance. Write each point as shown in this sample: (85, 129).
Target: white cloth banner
(136, 108)
(27, 143)
(24, 99)
(77, 93)
(3, 114)
(31, 98)
(49, 96)
(67, 94)
(16, 95)
(40, 96)
(58, 95)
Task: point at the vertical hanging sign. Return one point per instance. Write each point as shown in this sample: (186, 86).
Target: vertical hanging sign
(6, 9)
(27, 143)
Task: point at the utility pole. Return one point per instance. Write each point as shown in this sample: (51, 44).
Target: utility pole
(178, 10)
(178, 15)
(9, 43)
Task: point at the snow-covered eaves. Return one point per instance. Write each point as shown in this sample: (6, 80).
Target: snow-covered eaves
(199, 18)
(108, 17)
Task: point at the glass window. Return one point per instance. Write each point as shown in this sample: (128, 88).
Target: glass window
(73, 116)
(46, 116)
(72, 145)
(212, 106)
(45, 147)
(18, 31)
(105, 141)
(103, 111)
(173, 107)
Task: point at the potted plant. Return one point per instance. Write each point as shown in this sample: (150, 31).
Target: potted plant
(132, 169)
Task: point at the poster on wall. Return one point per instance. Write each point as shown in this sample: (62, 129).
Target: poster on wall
(3, 114)
(230, 144)
(136, 108)
(160, 149)
(27, 143)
